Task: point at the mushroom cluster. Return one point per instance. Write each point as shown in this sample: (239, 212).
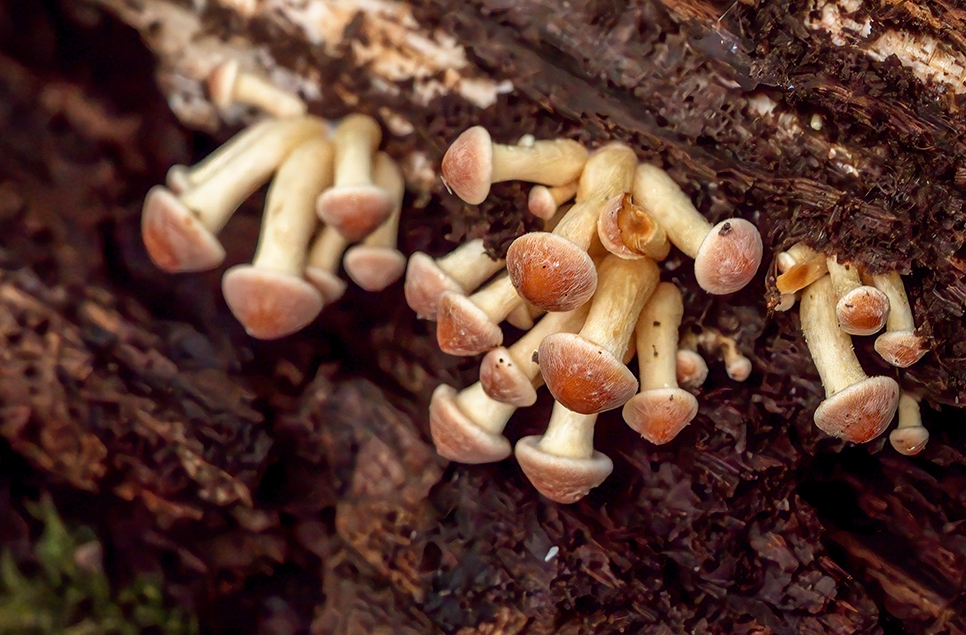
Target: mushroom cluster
(839, 300)
(593, 275)
(330, 187)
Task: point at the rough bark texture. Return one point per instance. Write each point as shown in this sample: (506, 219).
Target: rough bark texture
(290, 486)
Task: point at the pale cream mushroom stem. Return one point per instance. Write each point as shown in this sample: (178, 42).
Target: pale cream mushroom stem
(910, 436)
(227, 85)
(183, 177)
(860, 309)
(322, 264)
(899, 345)
(462, 270)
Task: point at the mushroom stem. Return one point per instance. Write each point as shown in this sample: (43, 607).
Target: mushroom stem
(625, 288)
(737, 366)
(488, 413)
(910, 436)
(181, 178)
(900, 315)
(569, 434)
(227, 84)
(322, 263)
(860, 309)
(899, 345)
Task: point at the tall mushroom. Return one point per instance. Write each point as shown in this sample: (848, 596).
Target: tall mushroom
(322, 265)
(460, 271)
(726, 256)
(270, 297)
(182, 177)
(899, 345)
(857, 408)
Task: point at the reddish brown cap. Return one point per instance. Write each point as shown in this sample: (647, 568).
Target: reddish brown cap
(269, 304)
(374, 268)
(221, 84)
(174, 237)
(729, 256)
(540, 202)
(468, 165)
(561, 479)
(690, 368)
(861, 412)
(909, 441)
(862, 311)
(582, 376)
(628, 231)
(900, 348)
(328, 284)
(355, 210)
(425, 283)
(504, 381)
(457, 437)
(660, 414)
(551, 272)
(463, 328)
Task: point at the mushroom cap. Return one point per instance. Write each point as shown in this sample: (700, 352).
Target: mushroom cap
(690, 368)
(909, 441)
(354, 210)
(728, 257)
(457, 437)
(561, 479)
(462, 328)
(503, 380)
(862, 311)
(861, 412)
(739, 368)
(425, 283)
(270, 304)
(583, 376)
(660, 414)
(468, 165)
(221, 84)
(177, 178)
(374, 268)
(327, 283)
(174, 237)
(540, 202)
(551, 272)
(900, 348)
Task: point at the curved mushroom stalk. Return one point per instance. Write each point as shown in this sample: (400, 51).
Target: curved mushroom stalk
(474, 162)
(861, 309)
(227, 85)
(563, 464)
(179, 231)
(726, 256)
(467, 427)
(462, 270)
(857, 407)
(899, 345)
(270, 297)
(910, 436)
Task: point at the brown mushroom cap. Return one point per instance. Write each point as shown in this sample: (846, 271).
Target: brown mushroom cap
(862, 311)
(374, 268)
(582, 376)
(327, 283)
(561, 479)
(354, 210)
(457, 437)
(860, 412)
(463, 328)
(270, 304)
(691, 370)
(468, 165)
(551, 272)
(900, 348)
(728, 257)
(504, 381)
(174, 237)
(660, 414)
(425, 284)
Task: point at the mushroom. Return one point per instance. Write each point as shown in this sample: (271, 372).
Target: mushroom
(377, 263)
(461, 271)
(857, 408)
(553, 270)
(470, 325)
(690, 368)
(563, 464)
(474, 162)
(714, 342)
(861, 309)
(584, 371)
(182, 177)
(798, 267)
(468, 426)
(228, 85)
(322, 264)
(661, 409)
(910, 436)
(627, 230)
(270, 297)
(543, 202)
(179, 231)
(726, 256)
(508, 374)
(899, 345)
(355, 206)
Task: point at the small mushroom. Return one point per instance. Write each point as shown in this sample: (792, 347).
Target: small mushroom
(543, 202)
(468, 426)
(182, 177)
(563, 464)
(470, 325)
(861, 309)
(627, 230)
(474, 162)
(553, 270)
(691, 370)
(798, 267)
(460, 271)
(726, 256)
(322, 264)
(355, 206)
(508, 374)
(661, 409)
(584, 371)
(179, 231)
(910, 436)
(228, 85)
(270, 297)
(377, 263)
(857, 408)
(714, 342)
(899, 345)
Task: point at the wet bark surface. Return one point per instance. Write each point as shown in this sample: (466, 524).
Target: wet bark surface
(291, 487)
